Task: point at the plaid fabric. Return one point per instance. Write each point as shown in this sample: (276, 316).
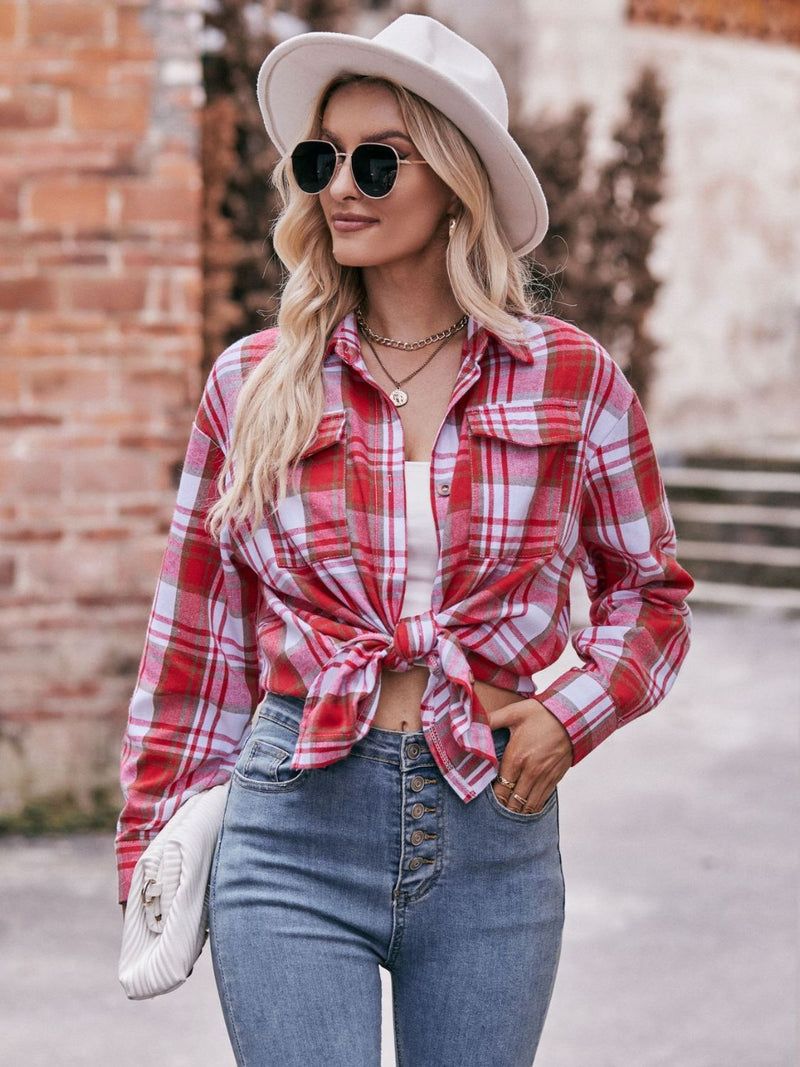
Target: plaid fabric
(543, 462)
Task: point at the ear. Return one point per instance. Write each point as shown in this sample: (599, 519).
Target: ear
(454, 206)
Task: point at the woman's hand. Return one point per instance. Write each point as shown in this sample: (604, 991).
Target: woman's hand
(536, 758)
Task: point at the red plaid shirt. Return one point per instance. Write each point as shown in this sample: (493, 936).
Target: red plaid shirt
(543, 461)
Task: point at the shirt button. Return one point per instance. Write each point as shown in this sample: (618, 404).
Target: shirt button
(443, 489)
(417, 837)
(413, 750)
(417, 783)
(415, 864)
(417, 811)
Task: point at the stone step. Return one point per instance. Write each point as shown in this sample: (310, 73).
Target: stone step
(752, 598)
(781, 488)
(736, 523)
(757, 565)
(727, 461)
(766, 481)
(736, 514)
(735, 552)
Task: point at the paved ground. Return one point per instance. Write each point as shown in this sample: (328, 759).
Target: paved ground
(680, 850)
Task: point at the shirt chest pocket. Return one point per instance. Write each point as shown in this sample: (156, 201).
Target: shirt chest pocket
(524, 460)
(310, 524)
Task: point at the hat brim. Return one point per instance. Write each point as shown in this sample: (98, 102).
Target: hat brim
(295, 72)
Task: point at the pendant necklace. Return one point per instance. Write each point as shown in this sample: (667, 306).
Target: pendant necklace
(398, 395)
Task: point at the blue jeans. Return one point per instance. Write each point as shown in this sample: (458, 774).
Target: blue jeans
(322, 876)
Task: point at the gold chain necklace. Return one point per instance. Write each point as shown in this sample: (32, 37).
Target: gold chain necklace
(398, 395)
(409, 346)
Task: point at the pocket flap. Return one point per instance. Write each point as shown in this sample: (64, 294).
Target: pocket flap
(331, 429)
(545, 422)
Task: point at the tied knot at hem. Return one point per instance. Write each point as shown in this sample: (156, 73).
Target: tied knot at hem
(415, 637)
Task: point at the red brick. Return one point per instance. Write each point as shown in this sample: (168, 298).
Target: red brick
(29, 536)
(115, 295)
(131, 26)
(8, 570)
(180, 253)
(35, 155)
(30, 110)
(65, 20)
(177, 168)
(59, 569)
(75, 204)
(109, 471)
(143, 386)
(27, 420)
(108, 533)
(67, 389)
(65, 258)
(10, 383)
(118, 114)
(33, 345)
(152, 202)
(8, 21)
(27, 294)
(37, 475)
(9, 204)
(14, 251)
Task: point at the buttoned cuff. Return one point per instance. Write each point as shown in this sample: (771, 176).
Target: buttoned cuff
(583, 707)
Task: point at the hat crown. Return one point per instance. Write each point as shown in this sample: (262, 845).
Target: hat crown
(427, 41)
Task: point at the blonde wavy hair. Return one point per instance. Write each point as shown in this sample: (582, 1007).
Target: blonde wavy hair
(282, 400)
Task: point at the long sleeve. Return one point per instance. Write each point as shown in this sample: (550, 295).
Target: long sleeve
(639, 623)
(198, 680)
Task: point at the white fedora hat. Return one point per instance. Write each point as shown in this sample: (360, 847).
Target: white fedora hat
(422, 55)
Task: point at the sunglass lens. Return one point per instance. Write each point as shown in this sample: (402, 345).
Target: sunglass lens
(375, 169)
(313, 164)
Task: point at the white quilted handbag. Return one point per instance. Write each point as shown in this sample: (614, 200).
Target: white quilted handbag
(166, 917)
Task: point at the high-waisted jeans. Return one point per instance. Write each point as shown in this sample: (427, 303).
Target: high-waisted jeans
(322, 876)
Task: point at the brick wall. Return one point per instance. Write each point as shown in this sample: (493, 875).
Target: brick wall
(768, 20)
(100, 315)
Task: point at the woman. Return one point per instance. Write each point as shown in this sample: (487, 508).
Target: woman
(382, 503)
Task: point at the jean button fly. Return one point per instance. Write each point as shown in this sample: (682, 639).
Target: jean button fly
(417, 783)
(417, 837)
(413, 750)
(415, 864)
(417, 810)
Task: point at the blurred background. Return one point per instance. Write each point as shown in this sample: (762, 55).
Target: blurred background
(135, 210)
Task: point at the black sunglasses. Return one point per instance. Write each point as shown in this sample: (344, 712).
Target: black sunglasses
(374, 166)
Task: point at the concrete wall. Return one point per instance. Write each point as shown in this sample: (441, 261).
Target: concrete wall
(728, 314)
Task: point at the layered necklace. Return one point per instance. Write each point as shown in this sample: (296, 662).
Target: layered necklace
(398, 395)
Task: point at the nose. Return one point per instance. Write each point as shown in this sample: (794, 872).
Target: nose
(342, 185)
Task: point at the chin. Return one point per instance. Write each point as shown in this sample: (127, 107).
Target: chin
(358, 257)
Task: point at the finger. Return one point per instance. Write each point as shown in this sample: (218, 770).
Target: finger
(520, 796)
(506, 782)
(502, 789)
(506, 716)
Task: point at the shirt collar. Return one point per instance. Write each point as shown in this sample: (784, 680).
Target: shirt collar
(344, 342)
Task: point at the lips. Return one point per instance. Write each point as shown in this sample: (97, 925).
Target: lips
(344, 222)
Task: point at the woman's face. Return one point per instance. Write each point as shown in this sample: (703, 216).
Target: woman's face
(409, 224)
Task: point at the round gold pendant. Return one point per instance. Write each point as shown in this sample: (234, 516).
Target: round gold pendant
(398, 397)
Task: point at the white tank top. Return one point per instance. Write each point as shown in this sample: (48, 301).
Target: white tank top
(423, 551)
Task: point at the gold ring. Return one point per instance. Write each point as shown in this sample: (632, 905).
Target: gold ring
(505, 781)
(523, 800)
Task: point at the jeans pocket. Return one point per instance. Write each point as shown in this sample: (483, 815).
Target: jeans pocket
(265, 763)
(520, 816)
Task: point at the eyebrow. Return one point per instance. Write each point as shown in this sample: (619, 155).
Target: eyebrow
(384, 135)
